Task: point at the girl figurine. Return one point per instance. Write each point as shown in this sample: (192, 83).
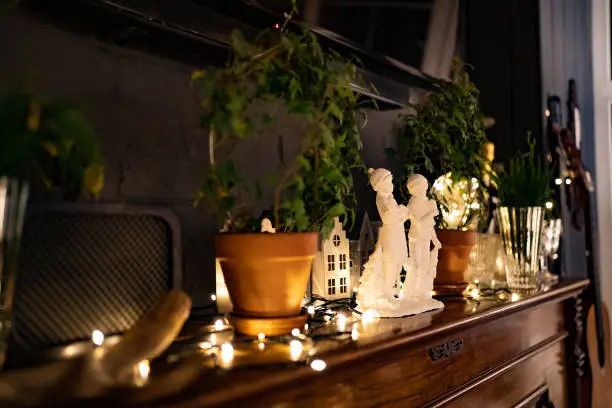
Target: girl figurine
(423, 211)
(392, 235)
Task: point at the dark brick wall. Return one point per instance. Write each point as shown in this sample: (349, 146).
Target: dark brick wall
(146, 118)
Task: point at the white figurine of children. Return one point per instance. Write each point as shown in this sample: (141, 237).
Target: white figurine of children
(422, 234)
(380, 283)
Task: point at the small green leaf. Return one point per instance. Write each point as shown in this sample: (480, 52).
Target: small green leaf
(335, 110)
(238, 43)
(300, 107)
(327, 137)
(337, 210)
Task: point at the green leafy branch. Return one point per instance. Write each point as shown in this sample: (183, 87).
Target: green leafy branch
(53, 137)
(527, 180)
(285, 69)
(444, 134)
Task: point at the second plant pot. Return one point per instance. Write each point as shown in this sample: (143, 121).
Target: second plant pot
(266, 276)
(453, 260)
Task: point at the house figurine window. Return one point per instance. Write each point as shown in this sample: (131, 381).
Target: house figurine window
(342, 285)
(331, 263)
(331, 287)
(331, 276)
(342, 261)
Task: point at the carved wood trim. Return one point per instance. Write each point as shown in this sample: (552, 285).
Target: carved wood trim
(445, 350)
(579, 352)
(497, 370)
(578, 376)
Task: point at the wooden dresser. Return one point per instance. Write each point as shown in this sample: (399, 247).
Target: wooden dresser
(492, 353)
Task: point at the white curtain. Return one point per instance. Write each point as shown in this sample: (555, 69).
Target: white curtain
(441, 38)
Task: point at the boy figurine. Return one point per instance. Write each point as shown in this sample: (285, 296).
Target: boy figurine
(422, 212)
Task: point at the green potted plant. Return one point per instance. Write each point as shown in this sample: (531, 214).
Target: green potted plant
(267, 273)
(443, 138)
(53, 141)
(523, 190)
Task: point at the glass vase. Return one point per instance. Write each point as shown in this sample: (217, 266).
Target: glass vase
(521, 230)
(549, 244)
(13, 200)
(487, 262)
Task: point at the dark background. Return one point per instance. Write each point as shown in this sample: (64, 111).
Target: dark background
(146, 117)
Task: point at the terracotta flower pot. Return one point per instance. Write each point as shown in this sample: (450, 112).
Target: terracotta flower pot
(266, 276)
(453, 260)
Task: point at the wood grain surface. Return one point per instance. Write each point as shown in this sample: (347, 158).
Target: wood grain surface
(496, 344)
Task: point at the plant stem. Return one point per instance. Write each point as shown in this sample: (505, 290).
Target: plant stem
(316, 188)
(211, 145)
(284, 181)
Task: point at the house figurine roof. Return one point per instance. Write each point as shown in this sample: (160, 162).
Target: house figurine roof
(361, 217)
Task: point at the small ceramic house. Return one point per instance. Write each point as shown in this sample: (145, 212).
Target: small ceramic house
(331, 277)
(363, 241)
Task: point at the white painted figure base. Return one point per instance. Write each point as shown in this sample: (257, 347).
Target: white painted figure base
(381, 289)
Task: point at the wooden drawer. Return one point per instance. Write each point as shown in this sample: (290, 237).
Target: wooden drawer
(522, 384)
(432, 372)
(440, 368)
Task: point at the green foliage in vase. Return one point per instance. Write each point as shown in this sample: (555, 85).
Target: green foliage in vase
(287, 70)
(526, 181)
(444, 134)
(52, 137)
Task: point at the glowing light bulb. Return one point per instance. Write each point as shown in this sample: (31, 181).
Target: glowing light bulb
(476, 281)
(514, 297)
(341, 321)
(295, 332)
(144, 369)
(261, 346)
(558, 181)
(568, 181)
(355, 290)
(369, 316)
(311, 310)
(549, 205)
(318, 365)
(227, 354)
(475, 294)
(355, 332)
(306, 327)
(219, 325)
(213, 297)
(205, 345)
(97, 337)
(213, 339)
(326, 318)
(295, 348)
(261, 336)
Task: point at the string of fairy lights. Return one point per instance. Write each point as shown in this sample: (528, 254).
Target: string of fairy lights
(329, 320)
